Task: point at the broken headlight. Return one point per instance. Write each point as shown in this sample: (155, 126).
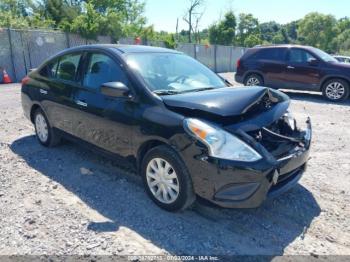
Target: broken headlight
(290, 120)
(220, 143)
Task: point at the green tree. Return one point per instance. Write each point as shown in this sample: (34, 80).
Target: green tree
(318, 30)
(252, 40)
(343, 42)
(223, 32)
(269, 30)
(89, 24)
(248, 26)
(14, 13)
(292, 31)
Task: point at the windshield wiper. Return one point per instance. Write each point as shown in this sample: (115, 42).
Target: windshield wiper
(198, 89)
(166, 92)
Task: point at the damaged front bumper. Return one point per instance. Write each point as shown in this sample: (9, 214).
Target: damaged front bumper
(236, 184)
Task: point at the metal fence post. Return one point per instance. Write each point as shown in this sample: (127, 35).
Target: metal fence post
(11, 54)
(67, 39)
(195, 51)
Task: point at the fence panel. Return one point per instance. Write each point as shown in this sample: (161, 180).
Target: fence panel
(206, 55)
(126, 41)
(42, 45)
(76, 40)
(5, 54)
(21, 59)
(224, 62)
(188, 49)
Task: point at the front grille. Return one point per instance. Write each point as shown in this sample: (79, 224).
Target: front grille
(279, 147)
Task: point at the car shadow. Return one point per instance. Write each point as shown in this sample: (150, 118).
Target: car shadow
(315, 97)
(118, 195)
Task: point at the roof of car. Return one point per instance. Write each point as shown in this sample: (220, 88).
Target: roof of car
(127, 48)
(283, 45)
(341, 56)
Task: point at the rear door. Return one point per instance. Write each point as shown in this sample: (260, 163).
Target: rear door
(273, 63)
(102, 120)
(58, 79)
(299, 72)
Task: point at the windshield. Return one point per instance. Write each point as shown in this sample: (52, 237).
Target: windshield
(167, 73)
(324, 56)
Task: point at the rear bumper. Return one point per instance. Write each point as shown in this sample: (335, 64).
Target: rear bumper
(233, 184)
(26, 105)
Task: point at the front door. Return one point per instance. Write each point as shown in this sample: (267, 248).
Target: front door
(299, 72)
(104, 121)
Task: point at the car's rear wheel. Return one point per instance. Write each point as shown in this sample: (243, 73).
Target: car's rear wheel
(336, 90)
(166, 179)
(253, 80)
(45, 134)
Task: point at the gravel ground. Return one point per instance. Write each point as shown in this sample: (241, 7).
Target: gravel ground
(67, 200)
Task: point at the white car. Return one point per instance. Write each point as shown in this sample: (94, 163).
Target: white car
(343, 59)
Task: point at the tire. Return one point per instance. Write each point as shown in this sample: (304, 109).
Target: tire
(336, 90)
(253, 80)
(50, 138)
(185, 196)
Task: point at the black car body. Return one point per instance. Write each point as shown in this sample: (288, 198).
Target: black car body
(127, 119)
(294, 67)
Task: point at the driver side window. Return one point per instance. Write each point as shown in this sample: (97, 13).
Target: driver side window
(102, 69)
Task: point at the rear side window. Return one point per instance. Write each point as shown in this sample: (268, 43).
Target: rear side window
(68, 67)
(274, 54)
(102, 69)
(49, 70)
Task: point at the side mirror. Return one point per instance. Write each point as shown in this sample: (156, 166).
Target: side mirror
(115, 89)
(313, 62)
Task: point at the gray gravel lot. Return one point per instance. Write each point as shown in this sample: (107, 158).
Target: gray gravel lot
(67, 200)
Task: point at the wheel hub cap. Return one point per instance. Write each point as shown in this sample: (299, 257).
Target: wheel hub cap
(162, 180)
(41, 128)
(253, 81)
(335, 90)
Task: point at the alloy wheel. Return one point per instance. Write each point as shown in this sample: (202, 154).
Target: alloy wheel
(41, 128)
(335, 90)
(253, 81)
(162, 180)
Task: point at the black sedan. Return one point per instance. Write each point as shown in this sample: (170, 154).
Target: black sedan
(184, 128)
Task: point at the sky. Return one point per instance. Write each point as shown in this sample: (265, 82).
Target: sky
(163, 13)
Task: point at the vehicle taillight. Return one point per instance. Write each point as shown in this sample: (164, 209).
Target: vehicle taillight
(25, 80)
(238, 62)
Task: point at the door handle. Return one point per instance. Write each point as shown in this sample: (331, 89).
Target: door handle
(290, 67)
(81, 103)
(43, 91)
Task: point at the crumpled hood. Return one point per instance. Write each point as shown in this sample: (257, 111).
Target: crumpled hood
(222, 101)
(234, 107)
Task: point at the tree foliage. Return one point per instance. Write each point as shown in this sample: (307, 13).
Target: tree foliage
(318, 30)
(224, 32)
(88, 18)
(125, 18)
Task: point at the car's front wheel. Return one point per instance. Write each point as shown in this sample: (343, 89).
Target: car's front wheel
(166, 179)
(253, 80)
(336, 90)
(45, 134)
